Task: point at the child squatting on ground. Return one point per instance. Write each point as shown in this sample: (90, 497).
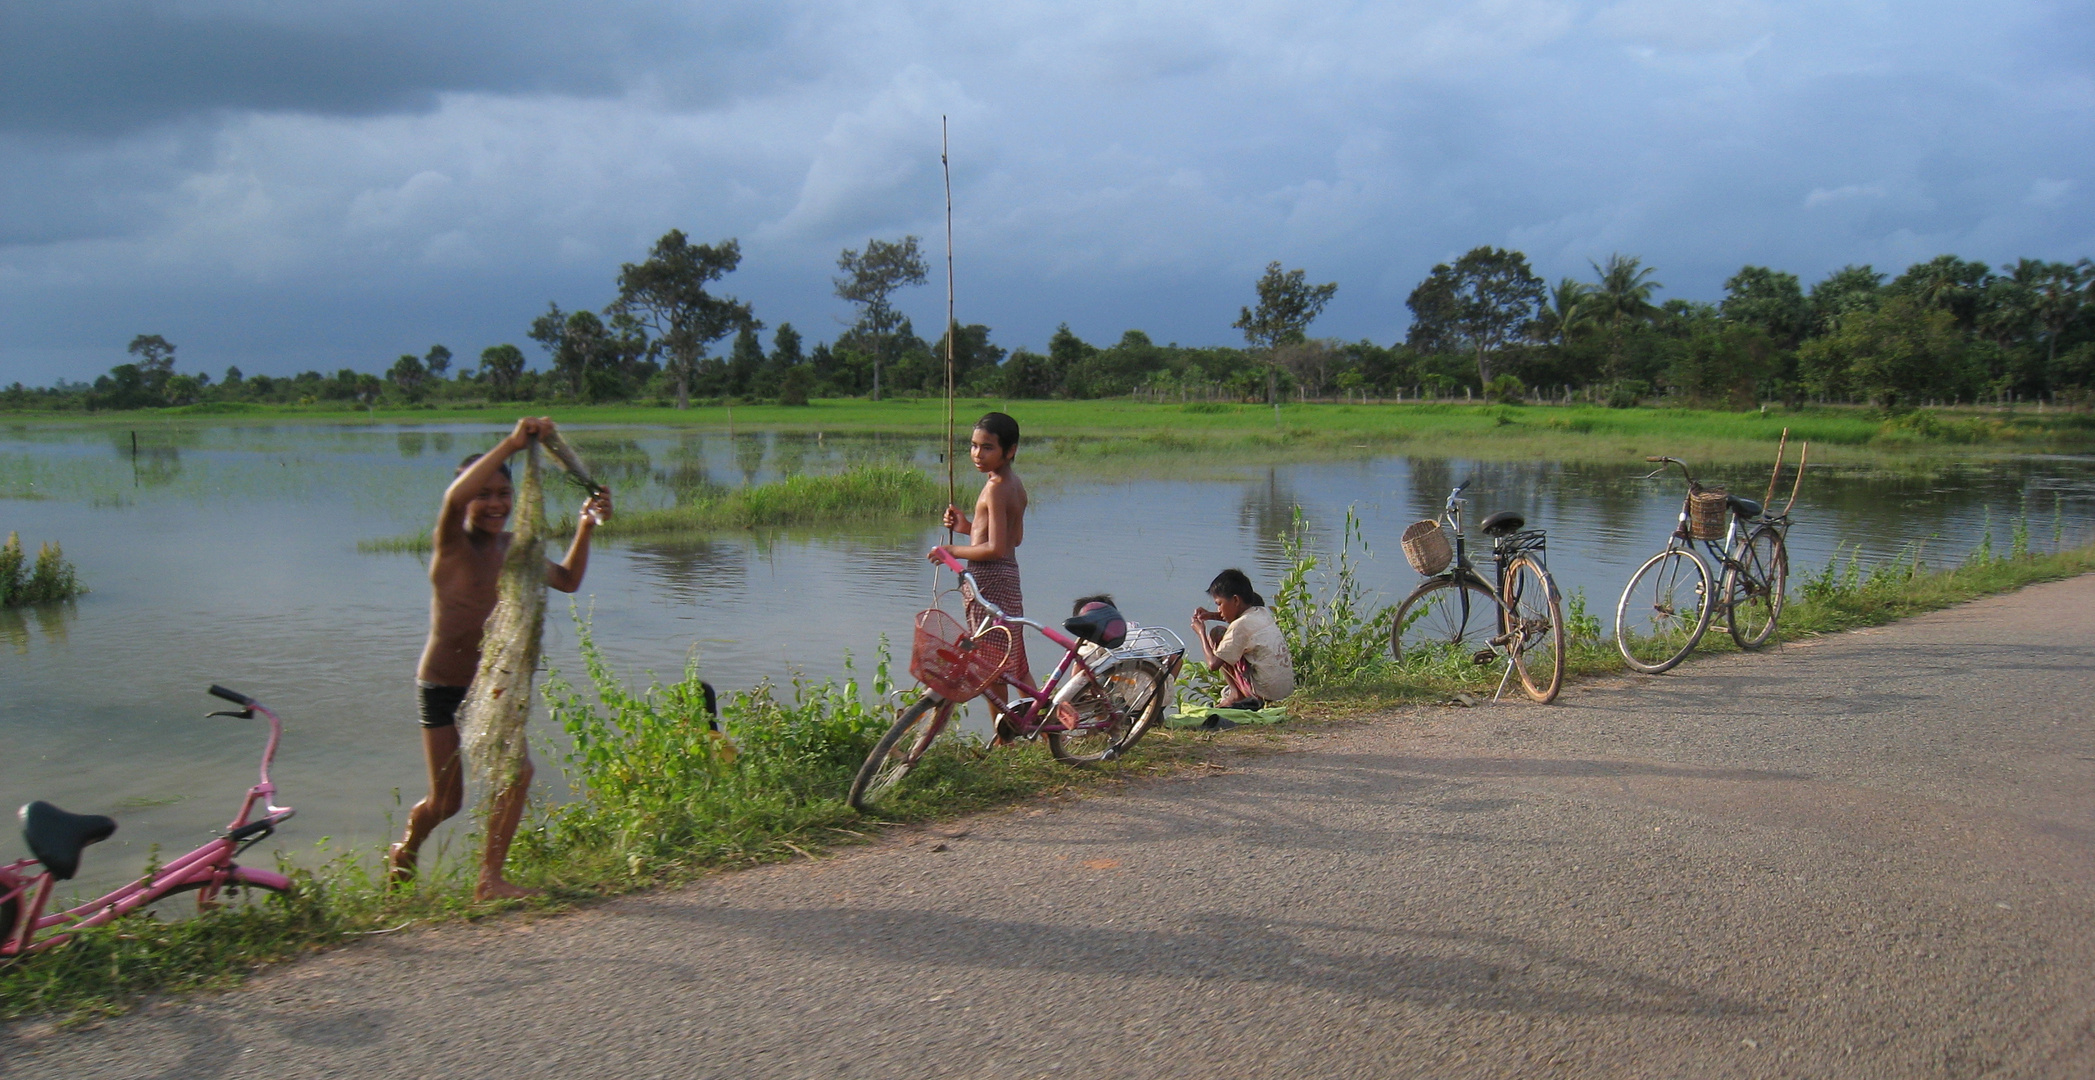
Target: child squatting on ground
(1248, 648)
(997, 529)
(464, 569)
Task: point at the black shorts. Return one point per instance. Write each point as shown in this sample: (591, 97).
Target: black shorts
(440, 704)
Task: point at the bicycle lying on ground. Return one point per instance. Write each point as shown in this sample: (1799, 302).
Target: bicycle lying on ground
(56, 840)
(1518, 615)
(1671, 592)
(1109, 689)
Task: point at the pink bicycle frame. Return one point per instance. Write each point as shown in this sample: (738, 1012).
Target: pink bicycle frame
(208, 869)
(1033, 714)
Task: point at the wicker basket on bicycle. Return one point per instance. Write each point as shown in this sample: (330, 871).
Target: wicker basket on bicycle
(1708, 507)
(954, 665)
(1426, 547)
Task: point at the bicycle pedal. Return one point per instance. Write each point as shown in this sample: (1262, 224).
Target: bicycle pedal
(1483, 657)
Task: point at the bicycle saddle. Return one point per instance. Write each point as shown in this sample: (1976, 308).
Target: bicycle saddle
(1743, 507)
(56, 838)
(1100, 624)
(1503, 523)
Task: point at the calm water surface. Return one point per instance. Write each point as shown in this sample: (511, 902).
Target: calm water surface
(229, 555)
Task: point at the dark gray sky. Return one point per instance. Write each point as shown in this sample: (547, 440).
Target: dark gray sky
(325, 184)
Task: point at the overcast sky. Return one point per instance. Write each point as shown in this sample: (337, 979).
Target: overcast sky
(324, 184)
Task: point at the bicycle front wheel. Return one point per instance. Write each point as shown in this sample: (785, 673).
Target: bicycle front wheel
(1754, 588)
(1535, 628)
(898, 752)
(1136, 690)
(1446, 619)
(1664, 611)
(238, 894)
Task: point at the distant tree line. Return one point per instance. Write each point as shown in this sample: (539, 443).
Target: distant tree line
(1946, 330)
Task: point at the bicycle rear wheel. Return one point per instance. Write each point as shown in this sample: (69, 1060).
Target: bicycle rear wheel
(897, 753)
(1136, 687)
(1444, 618)
(1535, 630)
(1754, 589)
(1664, 611)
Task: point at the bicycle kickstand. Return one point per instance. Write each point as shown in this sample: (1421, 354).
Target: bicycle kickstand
(1504, 679)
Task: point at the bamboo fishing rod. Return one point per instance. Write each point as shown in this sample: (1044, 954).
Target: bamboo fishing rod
(946, 166)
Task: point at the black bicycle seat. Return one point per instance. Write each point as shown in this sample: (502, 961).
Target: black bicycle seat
(1100, 624)
(57, 838)
(1503, 523)
(1743, 507)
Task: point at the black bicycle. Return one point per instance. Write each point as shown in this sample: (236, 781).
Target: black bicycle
(1517, 616)
(1669, 603)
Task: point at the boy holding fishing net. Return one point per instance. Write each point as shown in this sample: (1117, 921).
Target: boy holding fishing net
(485, 619)
(997, 529)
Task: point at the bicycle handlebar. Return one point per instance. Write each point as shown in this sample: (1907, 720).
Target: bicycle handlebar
(234, 696)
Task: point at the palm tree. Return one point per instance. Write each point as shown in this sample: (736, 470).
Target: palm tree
(1622, 297)
(1566, 310)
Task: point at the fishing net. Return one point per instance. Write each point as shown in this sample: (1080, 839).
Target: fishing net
(491, 724)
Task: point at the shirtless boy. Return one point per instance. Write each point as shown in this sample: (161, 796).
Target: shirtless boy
(463, 571)
(998, 527)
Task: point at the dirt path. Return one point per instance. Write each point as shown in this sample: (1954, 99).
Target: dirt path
(1866, 856)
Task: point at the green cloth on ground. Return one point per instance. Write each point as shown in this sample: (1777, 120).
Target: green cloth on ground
(1198, 715)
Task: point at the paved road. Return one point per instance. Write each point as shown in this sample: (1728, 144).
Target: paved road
(1867, 856)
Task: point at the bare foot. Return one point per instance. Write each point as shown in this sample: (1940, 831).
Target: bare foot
(400, 865)
(499, 889)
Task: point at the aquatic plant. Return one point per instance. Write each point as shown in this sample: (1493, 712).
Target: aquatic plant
(862, 493)
(51, 578)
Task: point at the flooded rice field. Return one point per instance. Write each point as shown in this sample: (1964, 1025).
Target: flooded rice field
(229, 554)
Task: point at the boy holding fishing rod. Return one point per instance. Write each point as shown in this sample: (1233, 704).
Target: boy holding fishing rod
(997, 529)
(465, 569)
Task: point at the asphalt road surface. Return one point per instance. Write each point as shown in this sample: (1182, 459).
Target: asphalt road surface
(1865, 856)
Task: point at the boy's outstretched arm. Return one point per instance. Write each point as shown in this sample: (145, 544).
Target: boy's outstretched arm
(566, 575)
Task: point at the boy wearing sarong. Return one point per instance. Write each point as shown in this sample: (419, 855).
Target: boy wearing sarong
(1248, 648)
(998, 527)
(464, 566)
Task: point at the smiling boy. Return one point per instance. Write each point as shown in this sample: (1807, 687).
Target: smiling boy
(998, 527)
(464, 568)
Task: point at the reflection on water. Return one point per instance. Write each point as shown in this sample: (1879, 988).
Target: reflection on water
(20, 625)
(238, 565)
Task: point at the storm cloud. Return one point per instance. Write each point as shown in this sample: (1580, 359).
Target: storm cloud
(323, 185)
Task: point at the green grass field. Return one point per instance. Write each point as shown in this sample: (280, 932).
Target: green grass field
(1120, 433)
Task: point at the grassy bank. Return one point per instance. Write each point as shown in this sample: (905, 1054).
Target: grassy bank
(658, 800)
(1113, 433)
(861, 495)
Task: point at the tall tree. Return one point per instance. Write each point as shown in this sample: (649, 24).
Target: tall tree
(1848, 289)
(1946, 283)
(870, 279)
(1287, 304)
(407, 373)
(667, 295)
(156, 361)
(1563, 312)
(438, 361)
(1768, 299)
(502, 366)
(1484, 301)
(2057, 293)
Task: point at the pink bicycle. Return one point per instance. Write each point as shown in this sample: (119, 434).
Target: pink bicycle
(56, 840)
(1109, 689)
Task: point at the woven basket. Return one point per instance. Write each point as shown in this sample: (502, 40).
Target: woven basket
(1707, 509)
(1426, 547)
(955, 666)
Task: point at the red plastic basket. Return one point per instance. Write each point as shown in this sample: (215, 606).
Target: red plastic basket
(955, 666)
